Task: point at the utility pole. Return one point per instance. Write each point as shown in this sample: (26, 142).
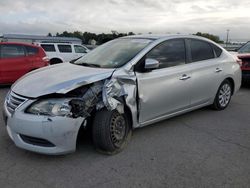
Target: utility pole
(227, 37)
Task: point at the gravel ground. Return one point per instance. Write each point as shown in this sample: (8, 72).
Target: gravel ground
(204, 148)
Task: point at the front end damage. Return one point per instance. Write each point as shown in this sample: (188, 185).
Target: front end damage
(113, 94)
(49, 133)
(85, 104)
(103, 94)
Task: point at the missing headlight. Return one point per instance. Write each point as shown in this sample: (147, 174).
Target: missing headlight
(82, 107)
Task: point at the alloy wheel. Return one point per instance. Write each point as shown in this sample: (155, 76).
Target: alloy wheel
(224, 95)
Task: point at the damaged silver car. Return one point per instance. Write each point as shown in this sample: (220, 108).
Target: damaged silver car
(124, 84)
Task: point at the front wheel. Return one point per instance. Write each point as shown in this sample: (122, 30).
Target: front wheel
(111, 131)
(223, 96)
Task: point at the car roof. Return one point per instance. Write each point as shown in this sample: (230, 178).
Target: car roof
(163, 36)
(61, 43)
(20, 43)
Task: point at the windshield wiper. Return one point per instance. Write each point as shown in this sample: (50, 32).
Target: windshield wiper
(89, 65)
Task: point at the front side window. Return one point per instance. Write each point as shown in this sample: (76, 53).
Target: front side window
(11, 51)
(48, 47)
(169, 53)
(79, 49)
(64, 48)
(114, 54)
(200, 50)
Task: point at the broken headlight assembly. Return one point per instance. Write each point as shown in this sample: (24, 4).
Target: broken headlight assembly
(50, 107)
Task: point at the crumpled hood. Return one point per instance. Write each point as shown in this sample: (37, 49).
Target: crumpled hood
(60, 78)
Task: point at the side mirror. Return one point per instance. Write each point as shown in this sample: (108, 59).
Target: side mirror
(151, 64)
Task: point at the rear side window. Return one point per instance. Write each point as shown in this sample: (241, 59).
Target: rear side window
(217, 50)
(79, 49)
(31, 50)
(48, 47)
(201, 50)
(64, 48)
(11, 50)
(169, 53)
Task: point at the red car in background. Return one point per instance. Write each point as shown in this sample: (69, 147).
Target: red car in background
(244, 55)
(17, 59)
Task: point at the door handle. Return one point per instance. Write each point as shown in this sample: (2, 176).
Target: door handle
(185, 77)
(217, 70)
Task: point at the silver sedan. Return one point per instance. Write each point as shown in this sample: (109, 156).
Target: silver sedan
(124, 84)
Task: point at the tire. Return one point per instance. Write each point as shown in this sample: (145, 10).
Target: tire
(111, 131)
(223, 96)
(55, 61)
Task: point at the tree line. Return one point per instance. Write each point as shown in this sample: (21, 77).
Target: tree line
(210, 36)
(87, 37)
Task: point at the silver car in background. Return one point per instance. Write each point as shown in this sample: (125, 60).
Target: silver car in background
(124, 84)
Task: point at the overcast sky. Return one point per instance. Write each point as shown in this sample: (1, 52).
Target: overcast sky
(139, 16)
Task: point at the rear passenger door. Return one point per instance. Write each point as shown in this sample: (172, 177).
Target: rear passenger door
(206, 70)
(14, 62)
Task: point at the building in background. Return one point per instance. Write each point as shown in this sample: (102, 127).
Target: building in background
(38, 38)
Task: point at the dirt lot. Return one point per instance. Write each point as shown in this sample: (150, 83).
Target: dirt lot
(203, 148)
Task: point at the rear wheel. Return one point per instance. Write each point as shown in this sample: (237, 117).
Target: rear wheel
(223, 96)
(111, 131)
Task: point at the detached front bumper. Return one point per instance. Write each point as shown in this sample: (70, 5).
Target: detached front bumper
(42, 134)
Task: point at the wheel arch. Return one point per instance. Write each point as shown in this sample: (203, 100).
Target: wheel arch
(33, 69)
(55, 60)
(129, 115)
(230, 79)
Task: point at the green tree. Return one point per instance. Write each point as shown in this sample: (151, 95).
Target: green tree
(209, 36)
(131, 33)
(88, 36)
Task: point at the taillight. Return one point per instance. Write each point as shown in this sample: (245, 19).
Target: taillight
(45, 59)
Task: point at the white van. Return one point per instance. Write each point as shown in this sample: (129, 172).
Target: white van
(63, 52)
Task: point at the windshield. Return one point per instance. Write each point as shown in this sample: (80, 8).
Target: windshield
(245, 48)
(113, 54)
